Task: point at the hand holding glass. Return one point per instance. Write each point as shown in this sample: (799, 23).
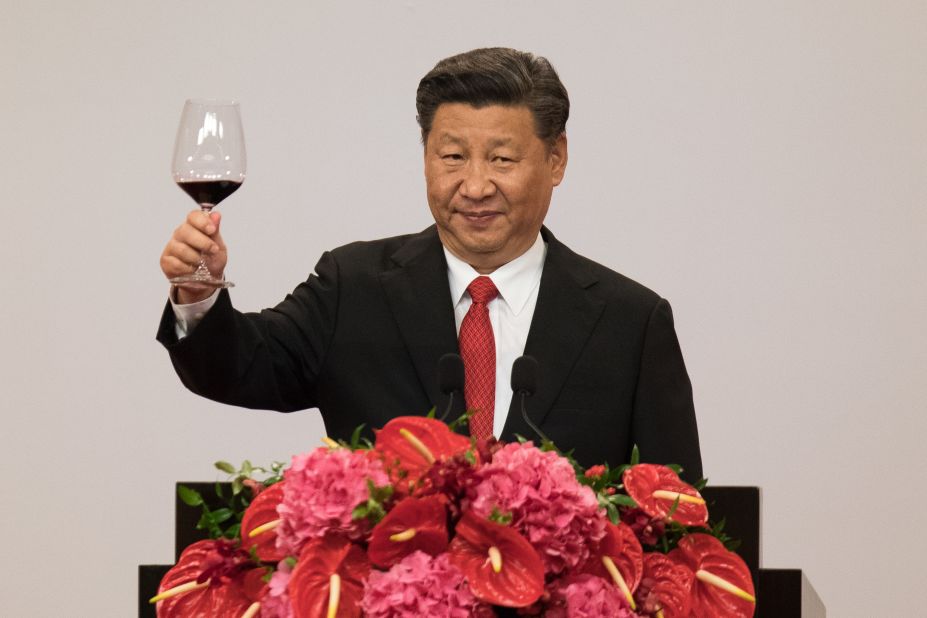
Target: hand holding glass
(209, 165)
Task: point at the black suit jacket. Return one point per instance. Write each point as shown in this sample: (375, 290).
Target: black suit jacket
(361, 339)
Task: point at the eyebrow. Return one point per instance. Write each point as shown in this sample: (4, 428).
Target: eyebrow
(501, 141)
(452, 139)
(449, 139)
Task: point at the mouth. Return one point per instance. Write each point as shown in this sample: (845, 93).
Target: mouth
(479, 216)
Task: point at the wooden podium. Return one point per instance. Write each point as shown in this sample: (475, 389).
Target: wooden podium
(780, 593)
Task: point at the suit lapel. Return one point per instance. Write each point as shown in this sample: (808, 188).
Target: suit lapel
(565, 316)
(420, 299)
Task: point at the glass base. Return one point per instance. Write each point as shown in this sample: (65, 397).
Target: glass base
(197, 281)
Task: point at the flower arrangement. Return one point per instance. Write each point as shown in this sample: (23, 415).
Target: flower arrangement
(426, 522)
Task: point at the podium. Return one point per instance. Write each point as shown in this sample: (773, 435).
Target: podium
(780, 593)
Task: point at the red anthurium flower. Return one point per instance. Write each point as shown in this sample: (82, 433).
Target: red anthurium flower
(328, 580)
(258, 524)
(665, 587)
(618, 558)
(723, 586)
(417, 442)
(500, 565)
(212, 578)
(657, 488)
(413, 524)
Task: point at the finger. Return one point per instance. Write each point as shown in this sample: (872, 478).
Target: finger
(216, 218)
(202, 221)
(189, 235)
(172, 266)
(182, 251)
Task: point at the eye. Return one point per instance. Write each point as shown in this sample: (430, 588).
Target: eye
(452, 157)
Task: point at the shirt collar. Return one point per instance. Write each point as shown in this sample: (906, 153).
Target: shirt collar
(515, 280)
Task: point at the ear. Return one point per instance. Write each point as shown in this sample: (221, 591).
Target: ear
(558, 159)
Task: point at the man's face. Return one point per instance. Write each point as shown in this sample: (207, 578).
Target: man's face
(489, 180)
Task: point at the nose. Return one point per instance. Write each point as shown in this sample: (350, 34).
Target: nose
(477, 182)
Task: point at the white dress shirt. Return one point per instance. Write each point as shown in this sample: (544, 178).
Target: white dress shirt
(186, 317)
(510, 313)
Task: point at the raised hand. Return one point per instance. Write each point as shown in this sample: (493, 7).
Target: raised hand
(198, 236)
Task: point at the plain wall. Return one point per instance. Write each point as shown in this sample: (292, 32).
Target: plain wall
(760, 164)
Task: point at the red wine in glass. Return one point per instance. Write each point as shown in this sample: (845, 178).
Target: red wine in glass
(208, 191)
(209, 165)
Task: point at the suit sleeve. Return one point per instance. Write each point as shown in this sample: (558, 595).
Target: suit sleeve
(663, 424)
(268, 360)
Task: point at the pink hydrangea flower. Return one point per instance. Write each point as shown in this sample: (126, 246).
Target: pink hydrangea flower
(560, 517)
(587, 596)
(276, 603)
(322, 490)
(419, 585)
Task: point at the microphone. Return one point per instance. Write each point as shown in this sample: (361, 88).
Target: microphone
(450, 378)
(525, 383)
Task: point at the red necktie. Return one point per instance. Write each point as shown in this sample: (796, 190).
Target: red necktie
(478, 350)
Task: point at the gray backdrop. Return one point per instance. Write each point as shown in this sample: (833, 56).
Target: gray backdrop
(760, 164)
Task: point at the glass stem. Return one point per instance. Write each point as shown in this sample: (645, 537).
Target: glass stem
(201, 269)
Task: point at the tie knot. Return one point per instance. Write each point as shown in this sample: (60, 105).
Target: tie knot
(482, 290)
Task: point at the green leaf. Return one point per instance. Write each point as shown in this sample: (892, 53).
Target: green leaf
(500, 517)
(356, 437)
(622, 500)
(207, 522)
(615, 473)
(612, 511)
(376, 513)
(237, 485)
(225, 467)
(460, 421)
(221, 515)
(379, 494)
(204, 522)
(548, 445)
(246, 468)
(431, 413)
(190, 497)
(635, 456)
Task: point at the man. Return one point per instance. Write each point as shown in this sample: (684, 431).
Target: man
(361, 338)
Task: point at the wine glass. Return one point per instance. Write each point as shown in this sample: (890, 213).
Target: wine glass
(209, 165)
